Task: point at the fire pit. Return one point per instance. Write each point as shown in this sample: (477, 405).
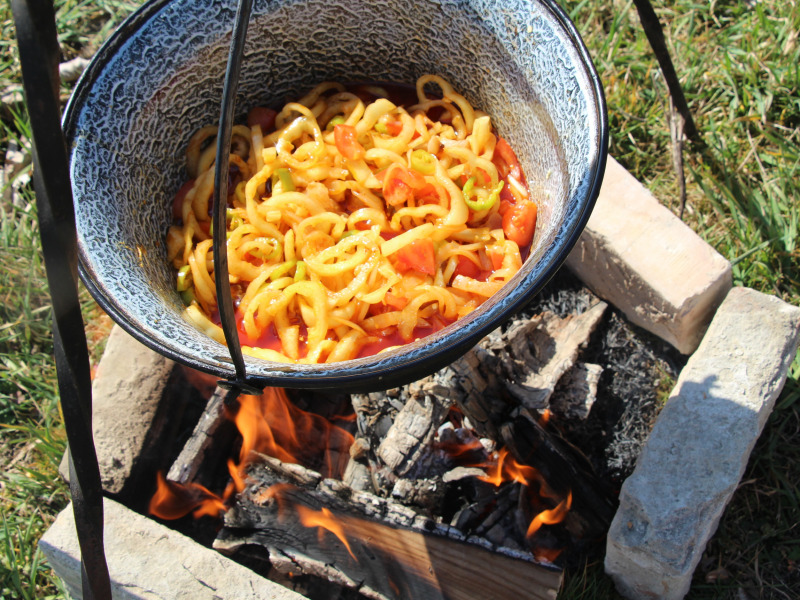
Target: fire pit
(636, 558)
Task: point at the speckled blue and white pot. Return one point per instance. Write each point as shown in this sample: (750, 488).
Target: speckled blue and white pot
(159, 78)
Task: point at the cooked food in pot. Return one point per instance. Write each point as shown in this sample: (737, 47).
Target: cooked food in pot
(360, 218)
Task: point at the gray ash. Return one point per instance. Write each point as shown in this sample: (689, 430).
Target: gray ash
(637, 368)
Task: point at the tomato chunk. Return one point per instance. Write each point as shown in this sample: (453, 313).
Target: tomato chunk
(506, 161)
(400, 185)
(261, 115)
(519, 223)
(419, 255)
(467, 268)
(394, 127)
(347, 143)
(496, 258)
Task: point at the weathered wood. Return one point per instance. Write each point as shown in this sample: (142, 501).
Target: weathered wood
(576, 392)
(197, 450)
(410, 437)
(522, 365)
(402, 556)
(544, 349)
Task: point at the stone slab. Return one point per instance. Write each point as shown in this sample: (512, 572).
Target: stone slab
(148, 561)
(126, 393)
(699, 447)
(644, 260)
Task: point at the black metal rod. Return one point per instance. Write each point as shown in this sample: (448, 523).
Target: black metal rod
(655, 35)
(223, 286)
(39, 56)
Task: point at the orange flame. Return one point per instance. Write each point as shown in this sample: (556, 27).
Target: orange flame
(173, 500)
(325, 520)
(550, 517)
(269, 424)
(461, 453)
(547, 554)
(544, 417)
(508, 469)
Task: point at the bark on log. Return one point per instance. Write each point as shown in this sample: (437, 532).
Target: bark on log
(212, 427)
(390, 551)
(576, 392)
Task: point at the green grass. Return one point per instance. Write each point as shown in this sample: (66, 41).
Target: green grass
(32, 439)
(739, 62)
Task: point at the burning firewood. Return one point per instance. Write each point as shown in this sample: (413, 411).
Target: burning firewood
(386, 551)
(436, 473)
(497, 387)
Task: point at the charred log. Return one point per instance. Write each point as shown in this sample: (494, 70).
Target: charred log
(378, 547)
(566, 471)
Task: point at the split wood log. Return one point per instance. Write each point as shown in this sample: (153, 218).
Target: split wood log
(577, 391)
(396, 430)
(410, 438)
(522, 365)
(196, 452)
(384, 550)
(544, 349)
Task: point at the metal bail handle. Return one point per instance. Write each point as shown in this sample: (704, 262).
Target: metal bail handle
(220, 203)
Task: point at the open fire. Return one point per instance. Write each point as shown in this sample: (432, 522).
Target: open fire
(272, 425)
(408, 492)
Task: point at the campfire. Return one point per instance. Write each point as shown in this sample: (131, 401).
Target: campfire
(411, 492)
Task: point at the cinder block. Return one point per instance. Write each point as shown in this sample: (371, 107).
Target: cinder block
(644, 260)
(699, 447)
(148, 561)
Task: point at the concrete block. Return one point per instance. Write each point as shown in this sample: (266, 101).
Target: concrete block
(640, 257)
(148, 561)
(699, 447)
(126, 393)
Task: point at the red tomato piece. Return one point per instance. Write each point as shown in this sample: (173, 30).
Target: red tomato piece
(396, 302)
(400, 184)
(177, 203)
(347, 142)
(507, 200)
(428, 194)
(394, 127)
(519, 223)
(261, 115)
(467, 268)
(506, 161)
(419, 255)
(496, 258)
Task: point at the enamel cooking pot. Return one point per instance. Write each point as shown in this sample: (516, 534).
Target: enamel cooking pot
(159, 78)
